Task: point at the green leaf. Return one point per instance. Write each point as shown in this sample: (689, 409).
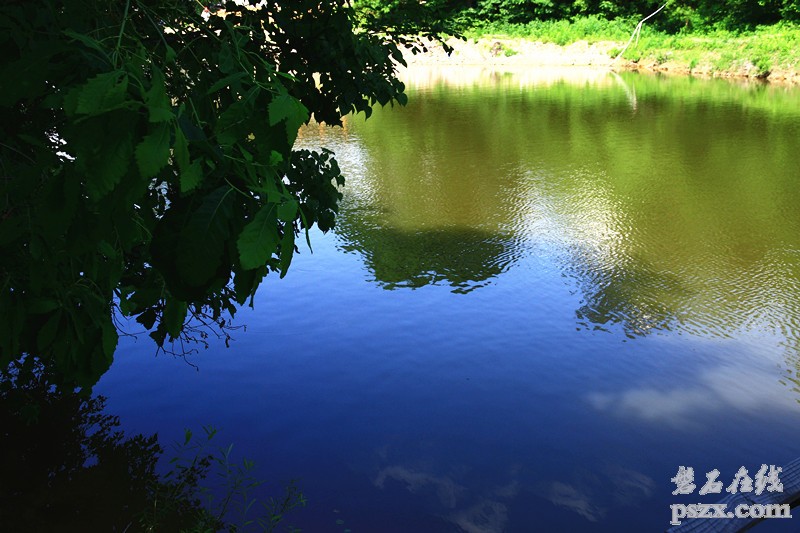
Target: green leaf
(232, 126)
(180, 149)
(227, 62)
(109, 165)
(287, 249)
(159, 336)
(40, 305)
(70, 102)
(191, 173)
(110, 337)
(174, 317)
(287, 211)
(192, 176)
(147, 318)
(47, 333)
(259, 239)
(158, 105)
(153, 152)
(228, 81)
(126, 307)
(170, 55)
(102, 93)
(203, 239)
(285, 107)
(145, 297)
(88, 41)
(106, 249)
(246, 282)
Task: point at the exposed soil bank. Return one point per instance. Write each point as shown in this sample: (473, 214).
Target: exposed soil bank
(522, 52)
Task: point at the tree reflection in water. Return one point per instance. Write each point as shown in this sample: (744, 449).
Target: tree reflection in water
(463, 258)
(68, 467)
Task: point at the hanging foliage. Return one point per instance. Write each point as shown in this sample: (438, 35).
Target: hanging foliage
(146, 162)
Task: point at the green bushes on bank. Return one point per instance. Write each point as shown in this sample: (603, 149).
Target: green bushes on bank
(560, 32)
(757, 51)
(679, 15)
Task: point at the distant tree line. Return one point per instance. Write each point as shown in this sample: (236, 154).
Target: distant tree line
(679, 14)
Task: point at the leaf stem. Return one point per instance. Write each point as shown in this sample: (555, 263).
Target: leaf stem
(122, 28)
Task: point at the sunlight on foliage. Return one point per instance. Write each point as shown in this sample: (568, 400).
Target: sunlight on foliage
(146, 162)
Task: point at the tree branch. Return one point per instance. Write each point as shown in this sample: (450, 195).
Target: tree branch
(638, 30)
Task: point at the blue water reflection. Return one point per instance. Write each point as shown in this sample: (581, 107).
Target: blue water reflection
(546, 358)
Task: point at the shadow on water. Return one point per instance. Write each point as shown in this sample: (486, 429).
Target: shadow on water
(462, 258)
(66, 466)
(619, 298)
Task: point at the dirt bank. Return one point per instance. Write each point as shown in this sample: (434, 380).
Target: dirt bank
(522, 52)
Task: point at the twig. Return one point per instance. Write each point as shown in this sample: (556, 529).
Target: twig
(638, 30)
(121, 30)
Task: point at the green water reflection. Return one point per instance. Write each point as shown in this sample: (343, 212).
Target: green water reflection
(668, 203)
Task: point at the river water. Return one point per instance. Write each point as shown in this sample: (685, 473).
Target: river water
(547, 290)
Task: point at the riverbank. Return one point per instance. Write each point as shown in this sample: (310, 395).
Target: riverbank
(696, 56)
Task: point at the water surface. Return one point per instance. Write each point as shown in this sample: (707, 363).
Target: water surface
(545, 292)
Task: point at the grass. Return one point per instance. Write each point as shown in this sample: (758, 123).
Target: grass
(560, 32)
(760, 50)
